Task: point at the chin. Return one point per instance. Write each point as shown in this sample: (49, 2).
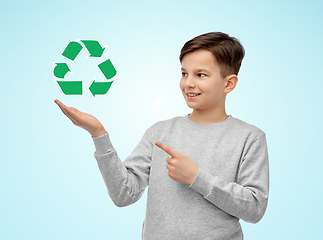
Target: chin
(191, 106)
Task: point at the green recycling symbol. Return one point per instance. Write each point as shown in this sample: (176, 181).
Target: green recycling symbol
(71, 87)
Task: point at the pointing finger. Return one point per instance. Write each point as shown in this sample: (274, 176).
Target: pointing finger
(167, 149)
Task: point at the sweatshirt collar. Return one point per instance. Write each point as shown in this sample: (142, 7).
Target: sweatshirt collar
(212, 126)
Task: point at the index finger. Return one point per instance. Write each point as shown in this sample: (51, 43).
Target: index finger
(167, 149)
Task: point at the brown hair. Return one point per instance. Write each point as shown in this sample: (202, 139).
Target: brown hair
(227, 50)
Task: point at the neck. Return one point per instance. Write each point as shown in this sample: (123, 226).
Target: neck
(207, 117)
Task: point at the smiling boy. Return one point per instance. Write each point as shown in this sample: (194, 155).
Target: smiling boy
(205, 170)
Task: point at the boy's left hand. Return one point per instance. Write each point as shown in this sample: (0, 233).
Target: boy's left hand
(181, 167)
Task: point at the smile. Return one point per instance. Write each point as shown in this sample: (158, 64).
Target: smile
(192, 95)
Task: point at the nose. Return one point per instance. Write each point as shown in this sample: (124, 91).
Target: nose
(190, 82)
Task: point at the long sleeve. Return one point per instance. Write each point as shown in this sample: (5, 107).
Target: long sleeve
(125, 181)
(247, 198)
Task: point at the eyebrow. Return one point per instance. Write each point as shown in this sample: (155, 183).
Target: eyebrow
(198, 69)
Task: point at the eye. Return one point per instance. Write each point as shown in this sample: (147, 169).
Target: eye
(183, 74)
(200, 74)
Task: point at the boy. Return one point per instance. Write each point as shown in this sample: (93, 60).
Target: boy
(205, 170)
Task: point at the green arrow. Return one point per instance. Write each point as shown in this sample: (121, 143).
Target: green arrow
(72, 50)
(93, 47)
(107, 69)
(71, 87)
(60, 70)
(101, 88)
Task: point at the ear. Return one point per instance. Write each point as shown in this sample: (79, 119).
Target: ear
(231, 82)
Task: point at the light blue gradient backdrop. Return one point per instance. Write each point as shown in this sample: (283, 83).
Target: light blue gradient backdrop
(51, 187)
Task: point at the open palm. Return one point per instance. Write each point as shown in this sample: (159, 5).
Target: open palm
(83, 120)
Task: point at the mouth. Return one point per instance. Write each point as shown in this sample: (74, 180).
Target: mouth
(192, 95)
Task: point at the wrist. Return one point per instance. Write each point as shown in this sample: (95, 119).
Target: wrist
(99, 133)
(193, 175)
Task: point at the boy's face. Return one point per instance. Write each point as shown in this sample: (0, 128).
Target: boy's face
(201, 75)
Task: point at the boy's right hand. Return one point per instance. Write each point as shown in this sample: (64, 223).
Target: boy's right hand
(83, 120)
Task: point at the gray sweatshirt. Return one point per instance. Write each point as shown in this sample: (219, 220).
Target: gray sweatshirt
(232, 182)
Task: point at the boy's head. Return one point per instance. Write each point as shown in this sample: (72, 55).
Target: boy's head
(210, 64)
(227, 50)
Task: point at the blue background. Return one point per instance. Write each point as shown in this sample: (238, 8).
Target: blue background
(51, 187)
